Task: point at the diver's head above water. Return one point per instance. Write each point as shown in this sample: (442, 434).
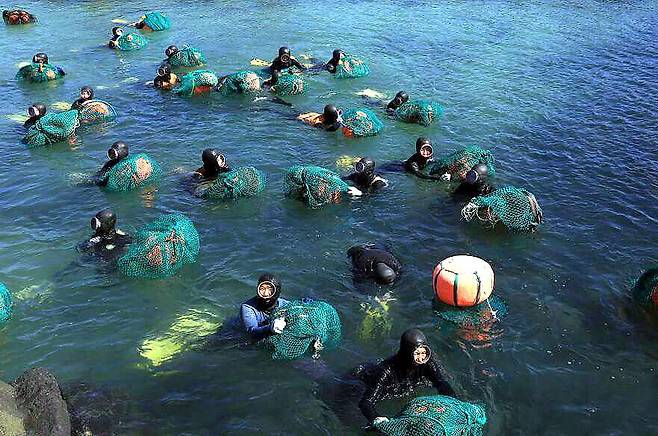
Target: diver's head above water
(477, 175)
(164, 71)
(117, 31)
(331, 114)
(40, 58)
(118, 151)
(37, 110)
(399, 99)
(86, 93)
(284, 55)
(104, 223)
(171, 50)
(414, 349)
(213, 162)
(365, 169)
(268, 291)
(424, 148)
(335, 56)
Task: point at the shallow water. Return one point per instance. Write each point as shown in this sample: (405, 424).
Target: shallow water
(565, 95)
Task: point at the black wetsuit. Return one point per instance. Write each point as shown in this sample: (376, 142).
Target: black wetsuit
(365, 260)
(279, 65)
(79, 102)
(366, 182)
(416, 164)
(100, 178)
(106, 245)
(399, 375)
(467, 191)
(31, 121)
(205, 175)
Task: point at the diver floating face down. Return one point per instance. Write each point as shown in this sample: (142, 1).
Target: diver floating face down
(399, 99)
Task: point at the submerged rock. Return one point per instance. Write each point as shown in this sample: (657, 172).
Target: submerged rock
(40, 401)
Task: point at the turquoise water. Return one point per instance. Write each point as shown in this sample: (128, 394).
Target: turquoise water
(565, 95)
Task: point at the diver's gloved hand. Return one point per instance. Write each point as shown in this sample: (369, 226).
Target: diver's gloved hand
(445, 177)
(278, 325)
(379, 420)
(354, 192)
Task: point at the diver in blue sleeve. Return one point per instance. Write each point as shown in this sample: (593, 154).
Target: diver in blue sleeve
(257, 311)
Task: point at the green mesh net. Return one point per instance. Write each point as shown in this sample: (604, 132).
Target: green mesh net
(239, 182)
(196, 82)
(361, 122)
(5, 303)
(290, 84)
(187, 57)
(314, 185)
(437, 415)
(52, 128)
(161, 248)
(31, 73)
(350, 67)
(310, 324)
(422, 112)
(457, 164)
(645, 290)
(239, 83)
(157, 21)
(131, 41)
(96, 111)
(516, 208)
(486, 312)
(133, 172)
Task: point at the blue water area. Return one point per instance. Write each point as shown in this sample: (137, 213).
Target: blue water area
(564, 93)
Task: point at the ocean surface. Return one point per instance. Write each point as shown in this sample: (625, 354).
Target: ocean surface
(564, 93)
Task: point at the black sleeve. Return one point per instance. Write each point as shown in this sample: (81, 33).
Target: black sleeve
(29, 123)
(378, 184)
(76, 104)
(298, 64)
(331, 67)
(433, 373)
(374, 393)
(350, 178)
(413, 168)
(100, 178)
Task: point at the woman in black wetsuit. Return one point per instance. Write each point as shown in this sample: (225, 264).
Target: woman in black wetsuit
(412, 366)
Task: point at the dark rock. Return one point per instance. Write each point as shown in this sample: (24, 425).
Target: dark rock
(39, 399)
